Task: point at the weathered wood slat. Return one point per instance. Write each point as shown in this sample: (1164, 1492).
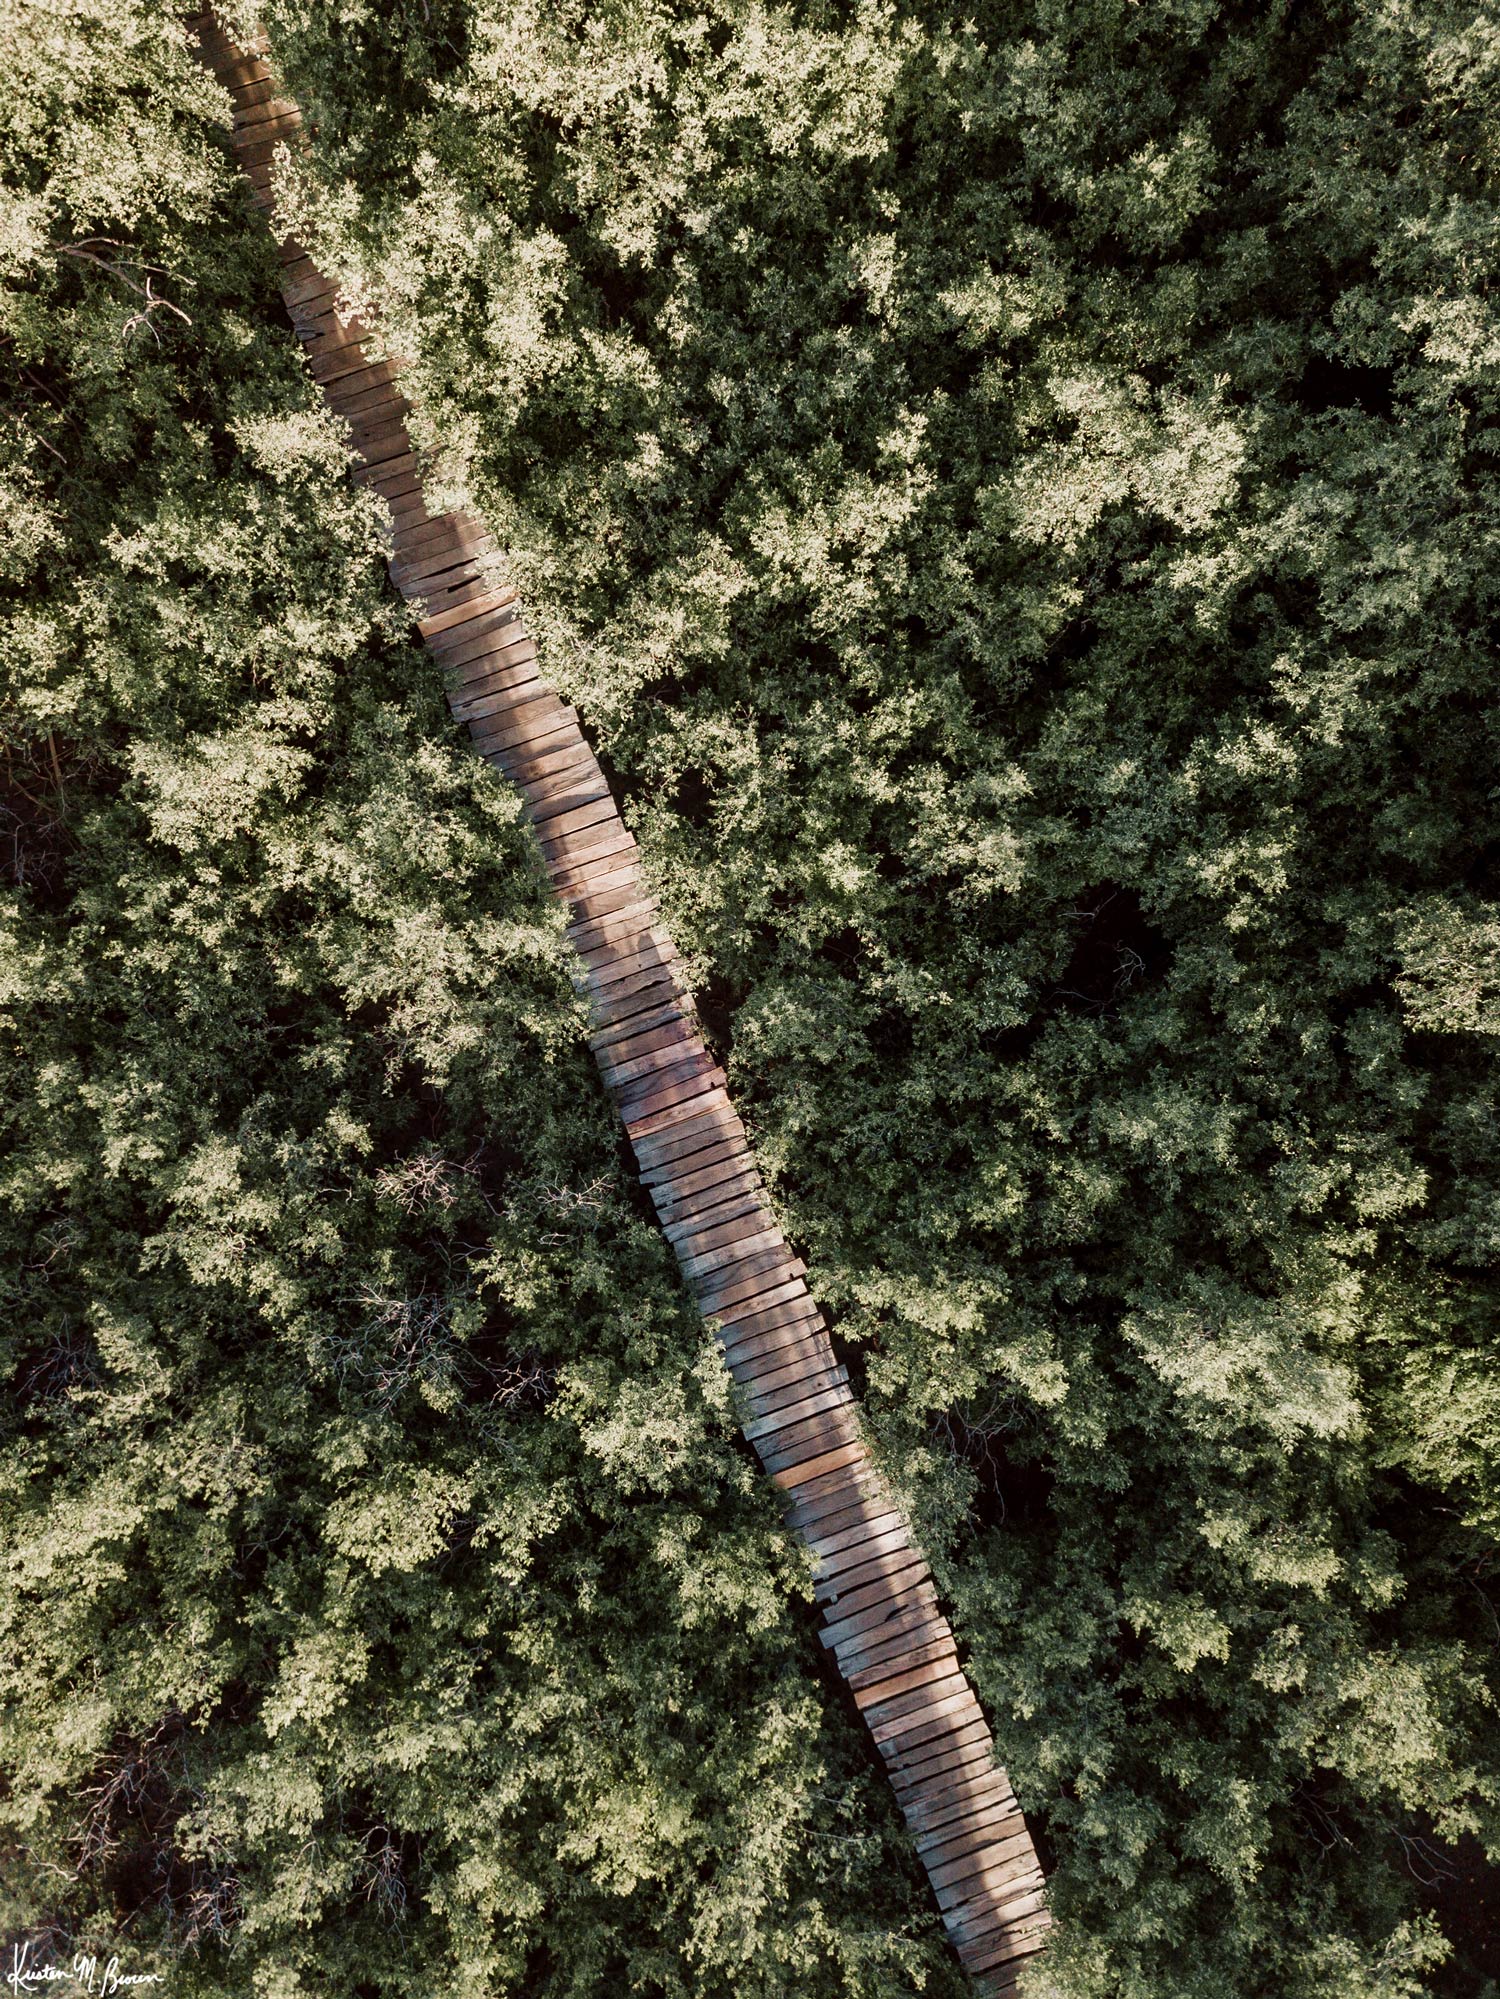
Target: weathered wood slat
(882, 1621)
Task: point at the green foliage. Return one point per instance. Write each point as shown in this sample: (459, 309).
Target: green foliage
(388, 1605)
(1015, 493)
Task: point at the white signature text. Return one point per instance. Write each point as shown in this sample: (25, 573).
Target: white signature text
(87, 1973)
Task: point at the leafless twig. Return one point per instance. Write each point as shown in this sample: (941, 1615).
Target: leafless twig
(120, 268)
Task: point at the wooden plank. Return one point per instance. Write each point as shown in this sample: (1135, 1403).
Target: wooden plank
(876, 1526)
(998, 1913)
(533, 745)
(572, 789)
(611, 958)
(557, 835)
(666, 1074)
(443, 621)
(501, 697)
(399, 491)
(956, 1802)
(726, 1317)
(259, 109)
(874, 1570)
(986, 1825)
(636, 997)
(524, 721)
(833, 1495)
(600, 897)
(502, 700)
(799, 1380)
(574, 754)
(750, 1367)
(872, 1696)
(996, 1863)
(242, 72)
(437, 564)
(254, 149)
(980, 1829)
(837, 1507)
(873, 1634)
(970, 1923)
(603, 894)
(371, 404)
(378, 444)
(969, 1749)
(443, 596)
(589, 865)
(611, 1035)
(859, 1508)
(745, 1321)
(711, 1184)
(815, 1439)
(775, 1321)
(986, 1906)
(359, 407)
(614, 922)
(777, 1422)
(951, 1764)
(548, 766)
(688, 1224)
(346, 366)
(887, 1566)
(924, 1627)
(728, 1241)
(937, 1719)
(460, 527)
(1023, 1939)
(351, 380)
(653, 1075)
(634, 950)
(854, 1523)
(321, 314)
(708, 1147)
(667, 1048)
(648, 1123)
(605, 889)
(442, 567)
(494, 663)
(853, 1566)
(791, 1476)
(345, 395)
(771, 1358)
(587, 856)
(247, 93)
(459, 626)
(722, 1188)
(711, 1246)
(713, 1126)
(300, 291)
(930, 1813)
(903, 1583)
(676, 1031)
(722, 1257)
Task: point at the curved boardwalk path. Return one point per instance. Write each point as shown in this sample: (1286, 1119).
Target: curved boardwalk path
(881, 1616)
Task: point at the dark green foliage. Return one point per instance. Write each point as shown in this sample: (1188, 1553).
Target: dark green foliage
(388, 1607)
(1015, 494)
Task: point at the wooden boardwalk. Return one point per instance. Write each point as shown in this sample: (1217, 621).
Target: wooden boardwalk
(882, 1621)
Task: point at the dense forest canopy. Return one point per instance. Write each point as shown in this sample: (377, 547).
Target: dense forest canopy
(1013, 494)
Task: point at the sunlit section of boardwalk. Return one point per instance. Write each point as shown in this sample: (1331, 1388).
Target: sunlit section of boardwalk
(882, 1622)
